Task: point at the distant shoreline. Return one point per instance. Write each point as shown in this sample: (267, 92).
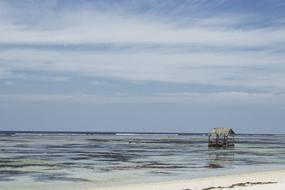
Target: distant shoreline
(122, 132)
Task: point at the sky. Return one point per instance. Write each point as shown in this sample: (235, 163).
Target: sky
(142, 65)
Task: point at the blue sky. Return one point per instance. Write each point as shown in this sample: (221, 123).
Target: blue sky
(142, 65)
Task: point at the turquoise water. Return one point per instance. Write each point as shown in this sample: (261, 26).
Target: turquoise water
(83, 160)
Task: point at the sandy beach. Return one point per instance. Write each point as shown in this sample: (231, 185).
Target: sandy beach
(265, 180)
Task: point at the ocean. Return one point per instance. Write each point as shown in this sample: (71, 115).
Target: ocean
(58, 160)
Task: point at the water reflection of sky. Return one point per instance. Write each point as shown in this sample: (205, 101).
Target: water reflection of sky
(102, 159)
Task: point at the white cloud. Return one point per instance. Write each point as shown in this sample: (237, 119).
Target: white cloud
(113, 26)
(112, 30)
(89, 26)
(97, 83)
(253, 69)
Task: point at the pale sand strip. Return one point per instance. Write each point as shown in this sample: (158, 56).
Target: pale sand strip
(278, 177)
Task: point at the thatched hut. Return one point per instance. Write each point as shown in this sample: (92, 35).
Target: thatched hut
(221, 137)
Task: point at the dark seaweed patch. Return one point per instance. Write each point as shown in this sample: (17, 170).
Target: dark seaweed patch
(160, 172)
(214, 166)
(246, 184)
(19, 165)
(12, 172)
(159, 165)
(79, 158)
(110, 156)
(43, 177)
(8, 175)
(140, 165)
(100, 140)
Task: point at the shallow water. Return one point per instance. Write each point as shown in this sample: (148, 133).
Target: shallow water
(81, 160)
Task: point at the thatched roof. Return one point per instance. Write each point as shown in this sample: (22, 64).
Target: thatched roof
(222, 131)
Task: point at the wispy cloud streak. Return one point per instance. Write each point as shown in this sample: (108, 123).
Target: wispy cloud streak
(144, 41)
